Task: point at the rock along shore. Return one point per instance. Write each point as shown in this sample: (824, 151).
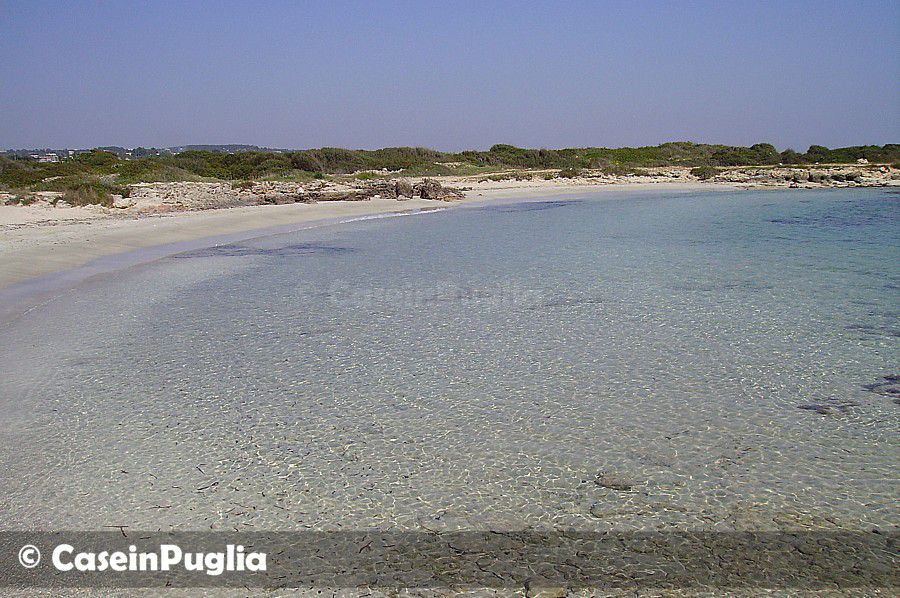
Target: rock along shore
(154, 198)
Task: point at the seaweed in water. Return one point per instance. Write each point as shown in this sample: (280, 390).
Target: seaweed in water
(888, 387)
(830, 407)
(284, 251)
(839, 219)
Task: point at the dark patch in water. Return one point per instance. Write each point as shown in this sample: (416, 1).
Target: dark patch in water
(530, 206)
(741, 285)
(285, 251)
(830, 407)
(871, 330)
(888, 387)
(848, 216)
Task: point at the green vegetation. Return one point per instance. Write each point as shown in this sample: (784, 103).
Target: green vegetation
(368, 175)
(674, 154)
(705, 172)
(83, 194)
(93, 176)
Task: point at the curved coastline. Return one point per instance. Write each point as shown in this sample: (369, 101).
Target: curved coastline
(23, 296)
(36, 274)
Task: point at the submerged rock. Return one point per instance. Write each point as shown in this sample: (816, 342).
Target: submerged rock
(829, 408)
(535, 592)
(888, 387)
(613, 481)
(820, 409)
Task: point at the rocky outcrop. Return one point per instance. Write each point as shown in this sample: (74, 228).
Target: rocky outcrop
(809, 177)
(122, 203)
(162, 197)
(403, 189)
(431, 189)
(399, 189)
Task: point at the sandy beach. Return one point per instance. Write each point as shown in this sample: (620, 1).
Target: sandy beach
(37, 241)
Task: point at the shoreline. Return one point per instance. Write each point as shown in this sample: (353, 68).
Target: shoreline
(49, 250)
(40, 241)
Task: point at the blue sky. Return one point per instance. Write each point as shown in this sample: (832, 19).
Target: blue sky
(448, 75)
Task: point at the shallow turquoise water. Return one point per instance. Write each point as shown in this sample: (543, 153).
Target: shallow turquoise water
(721, 355)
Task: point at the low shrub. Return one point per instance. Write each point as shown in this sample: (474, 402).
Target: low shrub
(704, 172)
(93, 193)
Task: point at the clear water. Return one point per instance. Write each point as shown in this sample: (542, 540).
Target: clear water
(713, 360)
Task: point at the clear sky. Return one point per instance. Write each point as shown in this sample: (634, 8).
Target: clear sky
(448, 75)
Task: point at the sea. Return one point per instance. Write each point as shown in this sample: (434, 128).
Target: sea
(629, 360)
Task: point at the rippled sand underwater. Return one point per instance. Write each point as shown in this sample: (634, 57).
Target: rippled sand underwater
(631, 361)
